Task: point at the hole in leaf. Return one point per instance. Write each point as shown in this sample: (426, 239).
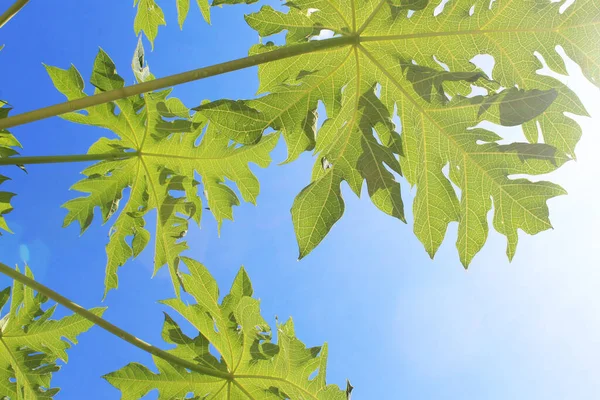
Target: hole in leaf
(213, 351)
(446, 171)
(440, 8)
(324, 34)
(477, 91)
(321, 114)
(484, 62)
(565, 6)
(396, 120)
(441, 64)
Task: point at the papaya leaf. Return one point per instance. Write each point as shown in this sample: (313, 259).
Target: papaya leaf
(31, 342)
(8, 143)
(259, 368)
(156, 156)
(412, 59)
(150, 16)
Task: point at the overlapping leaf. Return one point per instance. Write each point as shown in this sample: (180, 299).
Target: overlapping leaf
(259, 368)
(412, 58)
(8, 143)
(150, 16)
(156, 156)
(31, 343)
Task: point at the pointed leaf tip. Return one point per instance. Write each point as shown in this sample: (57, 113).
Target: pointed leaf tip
(363, 94)
(237, 330)
(151, 184)
(36, 343)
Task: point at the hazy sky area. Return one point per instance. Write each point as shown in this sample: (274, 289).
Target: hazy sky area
(398, 324)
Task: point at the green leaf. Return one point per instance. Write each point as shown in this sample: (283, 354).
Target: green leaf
(417, 66)
(8, 143)
(150, 16)
(158, 153)
(259, 367)
(31, 343)
(316, 222)
(183, 7)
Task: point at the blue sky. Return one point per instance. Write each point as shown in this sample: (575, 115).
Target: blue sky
(398, 324)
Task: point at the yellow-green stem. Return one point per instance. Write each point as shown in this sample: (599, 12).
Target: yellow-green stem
(12, 11)
(65, 159)
(173, 80)
(107, 326)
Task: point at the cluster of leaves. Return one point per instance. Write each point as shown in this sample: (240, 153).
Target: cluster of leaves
(412, 60)
(8, 143)
(31, 343)
(249, 363)
(398, 97)
(150, 16)
(257, 368)
(156, 156)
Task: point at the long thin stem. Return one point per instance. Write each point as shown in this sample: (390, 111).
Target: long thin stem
(12, 11)
(107, 326)
(176, 79)
(65, 159)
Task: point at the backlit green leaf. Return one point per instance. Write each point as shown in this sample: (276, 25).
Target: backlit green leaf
(150, 17)
(259, 367)
(8, 143)
(158, 153)
(31, 343)
(413, 60)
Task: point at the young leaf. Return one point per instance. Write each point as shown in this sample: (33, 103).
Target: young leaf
(157, 156)
(150, 16)
(31, 343)
(413, 60)
(258, 368)
(8, 143)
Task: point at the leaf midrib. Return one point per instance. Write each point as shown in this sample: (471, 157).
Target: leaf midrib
(350, 125)
(273, 378)
(480, 31)
(192, 158)
(243, 389)
(39, 333)
(440, 128)
(121, 220)
(157, 204)
(354, 118)
(338, 11)
(471, 32)
(16, 366)
(309, 91)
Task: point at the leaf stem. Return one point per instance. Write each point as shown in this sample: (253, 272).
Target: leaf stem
(12, 11)
(177, 79)
(107, 326)
(65, 159)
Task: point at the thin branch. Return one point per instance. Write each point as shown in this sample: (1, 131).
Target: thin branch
(107, 326)
(65, 159)
(12, 11)
(177, 79)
